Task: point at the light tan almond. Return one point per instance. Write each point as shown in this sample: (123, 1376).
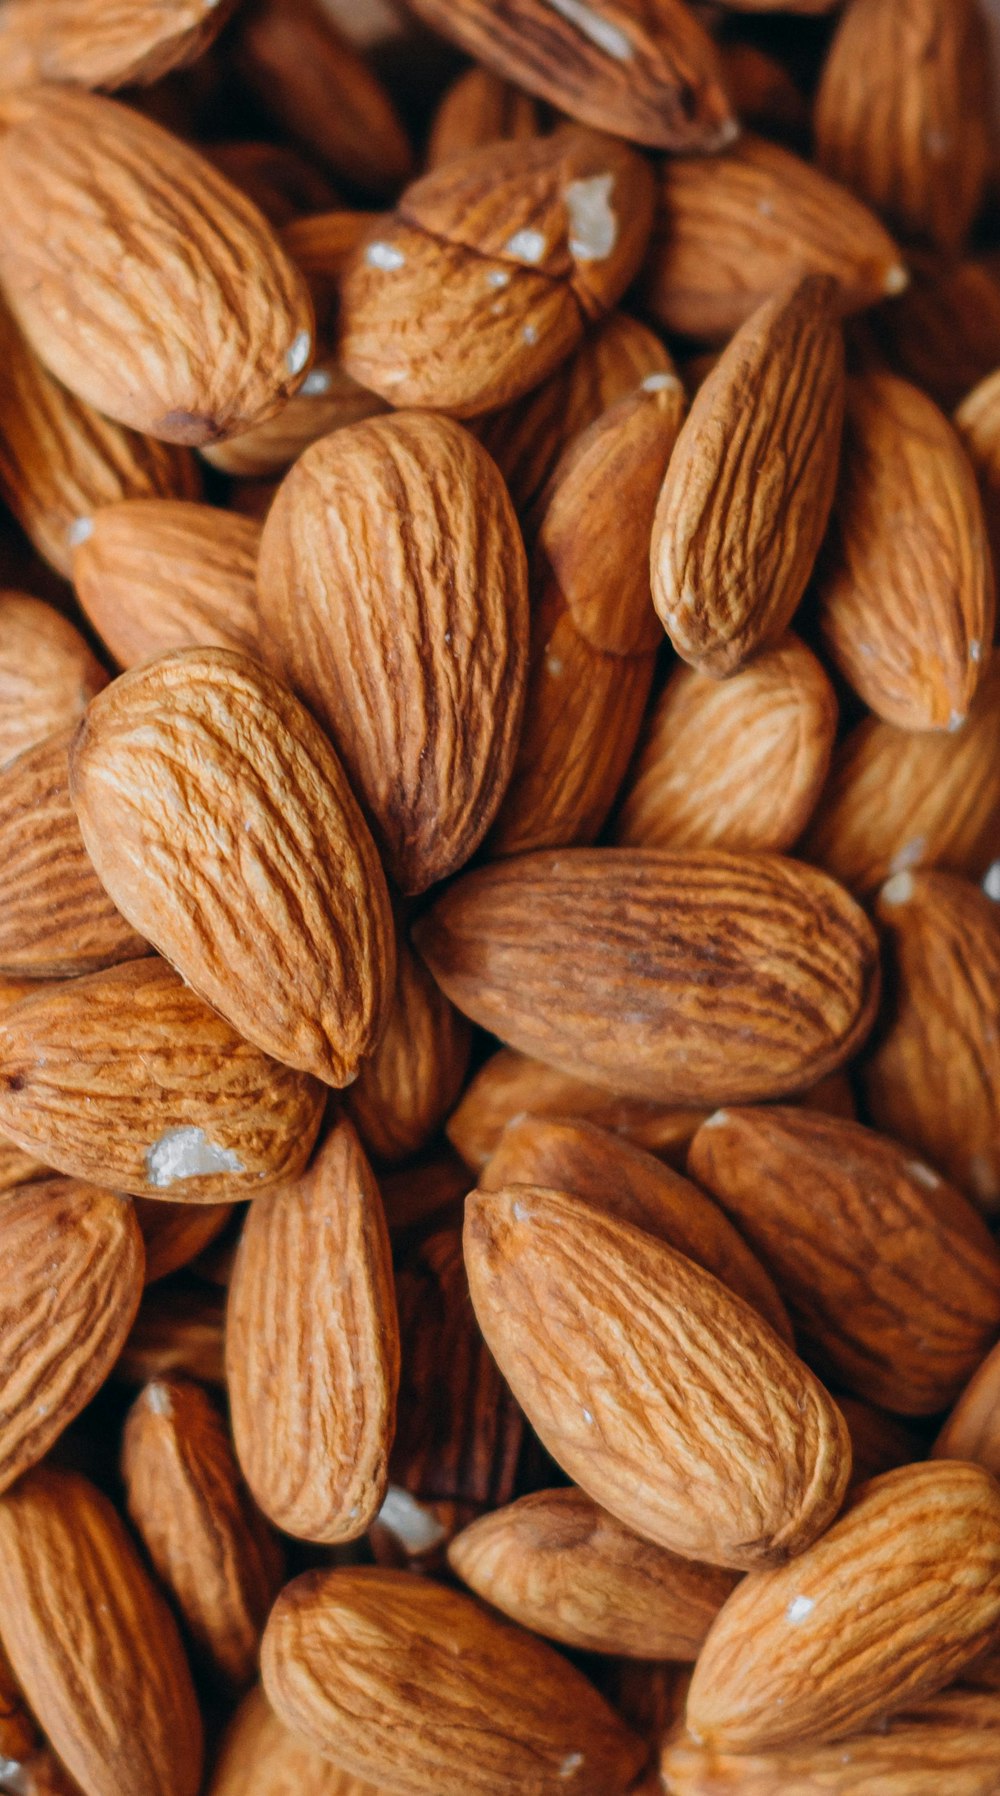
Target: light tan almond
(480, 107)
(122, 43)
(48, 675)
(175, 1234)
(260, 1756)
(405, 1090)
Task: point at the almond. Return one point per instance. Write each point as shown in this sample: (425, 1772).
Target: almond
(746, 498)
(92, 1642)
(977, 421)
(480, 107)
(123, 43)
(943, 332)
(399, 1679)
(972, 1431)
(281, 182)
(327, 400)
(197, 323)
(47, 673)
(242, 858)
(16, 1167)
(645, 968)
(888, 1607)
(175, 1234)
(434, 1185)
(179, 1329)
(126, 1078)
(405, 1090)
(879, 1442)
(312, 1347)
(260, 1756)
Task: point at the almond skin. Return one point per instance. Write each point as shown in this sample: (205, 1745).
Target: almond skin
(327, 400)
(906, 585)
(92, 1642)
(312, 1348)
(402, 1679)
(75, 1263)
(977, 422)
(748, 492)
(393, 592)
(557, 1564)
(972, 1431)
(123, 43)
(48, 675)
(405, 1090)
(286, 927)
(480, 107)
(625, 965)
(904, 1309)
(108, 215)
(179, 1329)
(902, 1594)
(744, 1468)
(260, 1756)
(127, 1079)
(175, 1234)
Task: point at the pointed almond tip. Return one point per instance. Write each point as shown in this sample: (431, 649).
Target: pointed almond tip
(897, 279)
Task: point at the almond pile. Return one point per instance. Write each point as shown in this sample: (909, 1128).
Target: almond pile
(499, 898)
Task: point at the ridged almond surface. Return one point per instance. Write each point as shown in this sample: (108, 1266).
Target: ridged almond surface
(126, 1078)
(736, 763)
(619, 1179)
(972, 1430)
(73, 1261)
(733, 230)
(480, 107)
(117, 44)
(48, 675)
(55, 917)
(644, 69)
(260, 1756)
(906, 583)
(92, 1642)
(685, 978)
(241, 854)
(327, 400)
(393, 595)
(888, 1607)
(892, 1279)
(312, 1347)
(16, 1166)
(663, 1395)
(159, 574)
(209, 1546)
(398, 1678)
(142, 279)
(559, 1565)
(748, 492)
(406, 1088)
(175, 1234)
(903, 113)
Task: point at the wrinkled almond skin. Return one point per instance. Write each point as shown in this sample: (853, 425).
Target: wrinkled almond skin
(312, 1348)
(404, 1091)
(399, 1678)
(557, 1564)
(903, 1593)
(48, 675)
(748, 492)
(327, 400)
(175, 1234)
(16, 1166)
(159, 574)
(108, 215)
(74, 1261)
(577, 956)
(720, 1445)
(393, 594)
(242, 856)
(121, 43)
(260, 1756)
(207, 1543)
(906, 583)
(905, 1307)
(736, 763)
(480, 107)
(127, 1079)
(81, 1619)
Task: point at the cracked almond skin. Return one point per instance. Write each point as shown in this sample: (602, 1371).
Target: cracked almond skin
(407, 1087)
(393, 598)
(48, 674)
(745, 502)
(402, 1679)
(198, 325)
(619, 1179)
(905, 582)
(127, 1079)
(117, 44)
(559, 1565)
(240, 854)
(312, 1347)
(720, 1445)
(260, 1756)
(92, 1642)
(74, 1260)
(687, 979)
(159, 574)
(891, 1278)
(903, 1593)
(210, 1548)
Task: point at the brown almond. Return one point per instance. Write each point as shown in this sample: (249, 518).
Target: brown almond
(179, 1330)
(18, 1733)
(175, 1234)
(879, 1441)
(977, 422)
(282, 182)
(972, 1431)
(943, 331)
(48, 675)
(16, 1166)
(123, 43)
(480, 107)
(260, 1756)
(406, 1088)
(327, 400)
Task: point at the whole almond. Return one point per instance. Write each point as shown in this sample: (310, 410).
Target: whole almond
(312, 1347)
(398, 1678)
(260, 1756)
(123, 43)
(879, 1441)
(663, 1395)
(48, 675)
(243, 858)
(404, 1090)
(972, 1430)
(977, 422)
(327, 400)
(175, 1234)
(480, 107)
(943, 331)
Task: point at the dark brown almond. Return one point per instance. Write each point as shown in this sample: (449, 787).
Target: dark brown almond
(406, 1088)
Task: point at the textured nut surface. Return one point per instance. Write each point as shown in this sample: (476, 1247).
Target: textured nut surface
(48, 675)
(121, 42)
(260, 1756)
(404, 1090)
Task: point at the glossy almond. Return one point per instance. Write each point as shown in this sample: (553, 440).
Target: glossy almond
(904, 1309)
(663, 1395)
(74, 1261)
(121, 43)
(48, 675)
(890, 1606)
(260, 1756)
(126, 1078)
(243, 858)
(404, 1091)
(626, 965)
(312, 1347)
(197, 325)
(81, 1619)
(398, 1678)
(393, 593)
